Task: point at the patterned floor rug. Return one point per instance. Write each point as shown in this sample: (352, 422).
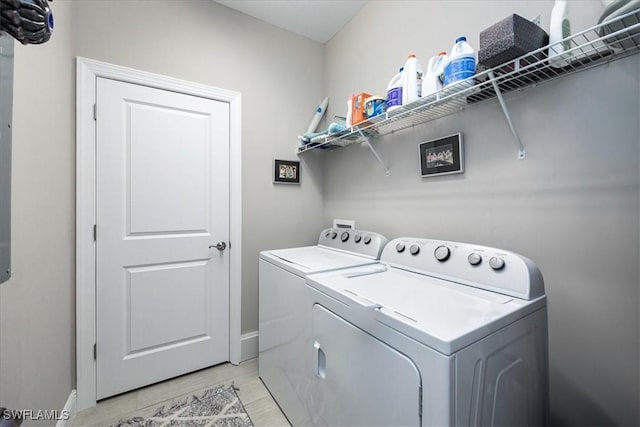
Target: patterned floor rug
(219, 407)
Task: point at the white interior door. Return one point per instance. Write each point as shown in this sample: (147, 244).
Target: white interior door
(162, 173)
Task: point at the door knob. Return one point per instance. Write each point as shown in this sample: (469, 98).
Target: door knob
(221, 246)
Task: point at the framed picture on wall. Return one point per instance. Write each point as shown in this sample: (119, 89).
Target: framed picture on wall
(286, 172)
(441, 156)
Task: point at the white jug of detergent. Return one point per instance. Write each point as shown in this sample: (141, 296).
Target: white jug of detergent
(461, 64)
(411, 80)
(571, 20)
(432, 81)
(394, 91)
(560, 29)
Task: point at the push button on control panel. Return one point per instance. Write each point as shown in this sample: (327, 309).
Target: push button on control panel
(334, 235)
(400, 247)
(414, 249)
(344, 236)
(357, 238)
(367, 240)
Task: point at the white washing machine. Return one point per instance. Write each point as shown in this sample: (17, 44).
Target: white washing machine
(438, 333)
(284, 316)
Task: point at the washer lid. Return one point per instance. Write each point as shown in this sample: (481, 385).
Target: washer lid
(443, 315)
(313, 259)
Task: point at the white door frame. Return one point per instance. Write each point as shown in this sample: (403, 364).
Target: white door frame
(87, 72)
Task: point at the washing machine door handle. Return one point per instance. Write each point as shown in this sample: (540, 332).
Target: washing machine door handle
(319, 361)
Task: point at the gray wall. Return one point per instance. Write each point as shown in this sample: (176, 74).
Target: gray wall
(280, 77)
(37, 305)
(572, 206)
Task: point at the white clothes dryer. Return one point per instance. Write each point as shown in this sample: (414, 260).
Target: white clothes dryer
(284, 316)
(438, 333)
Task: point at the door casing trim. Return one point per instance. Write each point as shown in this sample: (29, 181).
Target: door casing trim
(87, 71)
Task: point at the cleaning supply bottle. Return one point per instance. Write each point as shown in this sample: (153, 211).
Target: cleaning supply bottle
(432, 81)
(461, 64)
(349, 119)
(559, 29)
(411, 80)
(394, 91)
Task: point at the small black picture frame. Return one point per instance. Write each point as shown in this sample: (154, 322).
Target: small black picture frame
(286, 172)
(442, 156)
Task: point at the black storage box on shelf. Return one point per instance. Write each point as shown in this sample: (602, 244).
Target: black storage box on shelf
(509, 39)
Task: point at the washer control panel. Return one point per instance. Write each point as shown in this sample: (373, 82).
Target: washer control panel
(360, 242)
(483, 267)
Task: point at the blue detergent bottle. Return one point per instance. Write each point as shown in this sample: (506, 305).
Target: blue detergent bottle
(461, 64)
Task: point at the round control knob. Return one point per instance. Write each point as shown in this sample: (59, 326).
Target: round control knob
(334, 235)
(414, 249)
(474, 258)
(400, 247)
(496, 263)
(357, 238)
(442, 253)
(367, 240)
(344, 236)
(327, 234)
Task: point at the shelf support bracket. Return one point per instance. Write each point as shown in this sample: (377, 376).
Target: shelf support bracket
(375, 153)
(521, 153)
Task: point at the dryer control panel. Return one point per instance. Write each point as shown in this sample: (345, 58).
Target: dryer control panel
(483, 267)
(365, 243)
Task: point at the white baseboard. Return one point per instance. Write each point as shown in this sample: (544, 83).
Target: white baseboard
(249, 346)
(69, 409)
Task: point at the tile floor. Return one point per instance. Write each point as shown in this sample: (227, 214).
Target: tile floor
(259, 404)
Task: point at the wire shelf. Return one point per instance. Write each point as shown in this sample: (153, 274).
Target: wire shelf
(603, 43)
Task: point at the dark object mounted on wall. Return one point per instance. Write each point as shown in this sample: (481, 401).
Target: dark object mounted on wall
(442, 156)
(6, 103)
(286, 171)
(28, 21)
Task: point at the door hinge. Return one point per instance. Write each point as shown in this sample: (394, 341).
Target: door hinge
(95, 111)
(95, 232)
(95, 351)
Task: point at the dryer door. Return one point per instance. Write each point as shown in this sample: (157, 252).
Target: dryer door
(359, 380)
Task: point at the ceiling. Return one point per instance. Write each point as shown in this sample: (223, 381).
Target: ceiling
(317, 20)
